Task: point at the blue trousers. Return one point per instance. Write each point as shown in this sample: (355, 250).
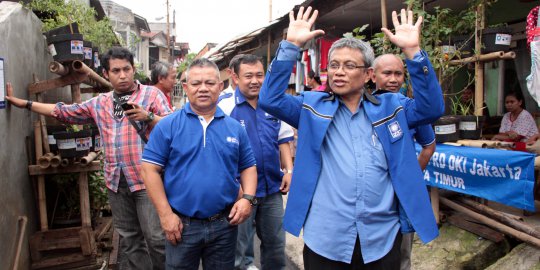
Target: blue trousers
(268, 216)
(213, 242)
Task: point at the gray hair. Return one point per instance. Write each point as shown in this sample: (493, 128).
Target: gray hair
(355, 44)
(378, 58)
(201, 63)
(159, 69)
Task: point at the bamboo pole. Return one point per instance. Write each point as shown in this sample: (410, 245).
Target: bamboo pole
(42, 201)
(509, 55)
(478, 143)
(45, 161)
(58, 68)
(56, 161)
(384, 23)
(499, 216)
(22, 221)
(479, 66)
(82, 68)
(492, 223)
(88, 158)
(480, 58)
(64, 162)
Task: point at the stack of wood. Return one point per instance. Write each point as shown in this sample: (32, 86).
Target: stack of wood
(472, 214)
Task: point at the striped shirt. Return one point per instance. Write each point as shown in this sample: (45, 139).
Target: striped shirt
(123, 146)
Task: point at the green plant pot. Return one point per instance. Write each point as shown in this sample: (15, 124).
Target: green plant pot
(446, 129)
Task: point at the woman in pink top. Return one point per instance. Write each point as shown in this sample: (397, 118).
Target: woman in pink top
(517, 124)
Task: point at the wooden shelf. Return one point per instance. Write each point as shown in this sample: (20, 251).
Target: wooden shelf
(36, 170)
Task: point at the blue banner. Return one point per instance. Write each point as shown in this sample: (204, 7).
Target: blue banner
(505, 177)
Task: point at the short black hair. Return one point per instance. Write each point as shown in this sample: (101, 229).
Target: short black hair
(245, 59)
(116, 53)
(518, 95)
(311, 75)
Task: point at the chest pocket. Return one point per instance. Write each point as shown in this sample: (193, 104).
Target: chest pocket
(395, 130)
(273, 122)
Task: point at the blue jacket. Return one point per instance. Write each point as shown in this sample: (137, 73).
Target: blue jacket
(391, 115)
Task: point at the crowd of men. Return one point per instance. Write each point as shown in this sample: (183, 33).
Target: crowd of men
(214, 172)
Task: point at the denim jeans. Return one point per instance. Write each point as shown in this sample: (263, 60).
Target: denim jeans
(213, 242)
(142, 242)
(268, 216)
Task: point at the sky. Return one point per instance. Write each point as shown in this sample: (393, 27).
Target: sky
(202, 21)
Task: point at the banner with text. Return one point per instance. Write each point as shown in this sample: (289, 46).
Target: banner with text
(502, 176)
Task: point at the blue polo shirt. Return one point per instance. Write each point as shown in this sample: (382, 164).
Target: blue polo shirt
(265, 133)
(201, 160)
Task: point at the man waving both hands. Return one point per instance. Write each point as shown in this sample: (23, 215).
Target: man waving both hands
(356, 181)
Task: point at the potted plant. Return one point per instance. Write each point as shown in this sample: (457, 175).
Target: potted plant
(73, 143)
(63, 15)
(470, 125)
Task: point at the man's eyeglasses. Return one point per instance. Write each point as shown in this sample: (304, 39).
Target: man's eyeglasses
(347, 66)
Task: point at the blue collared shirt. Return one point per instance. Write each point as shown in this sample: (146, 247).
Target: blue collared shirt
(354, 194)
(265, 133)
(201, 160)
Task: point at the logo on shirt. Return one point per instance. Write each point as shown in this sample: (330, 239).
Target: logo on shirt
(232, 140)
(242, 122)
(395, 129)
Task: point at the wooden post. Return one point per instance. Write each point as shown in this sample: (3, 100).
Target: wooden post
(84, 200)
(269, 34)
(384, 23)
(44, 135)
(76, 93)
(42, 200)
(434, 195)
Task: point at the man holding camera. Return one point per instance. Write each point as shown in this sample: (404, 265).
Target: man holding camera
(134, 216)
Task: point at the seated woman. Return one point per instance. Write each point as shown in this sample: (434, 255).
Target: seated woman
(517, 124)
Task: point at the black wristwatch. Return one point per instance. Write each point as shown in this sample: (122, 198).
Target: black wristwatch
(252, 199)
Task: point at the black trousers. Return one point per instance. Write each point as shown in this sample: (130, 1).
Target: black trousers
(390, 261)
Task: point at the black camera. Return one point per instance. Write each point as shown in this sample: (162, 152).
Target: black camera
(125, 106)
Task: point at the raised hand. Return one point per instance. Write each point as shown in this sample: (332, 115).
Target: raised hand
(407, 35)
(299, 31)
